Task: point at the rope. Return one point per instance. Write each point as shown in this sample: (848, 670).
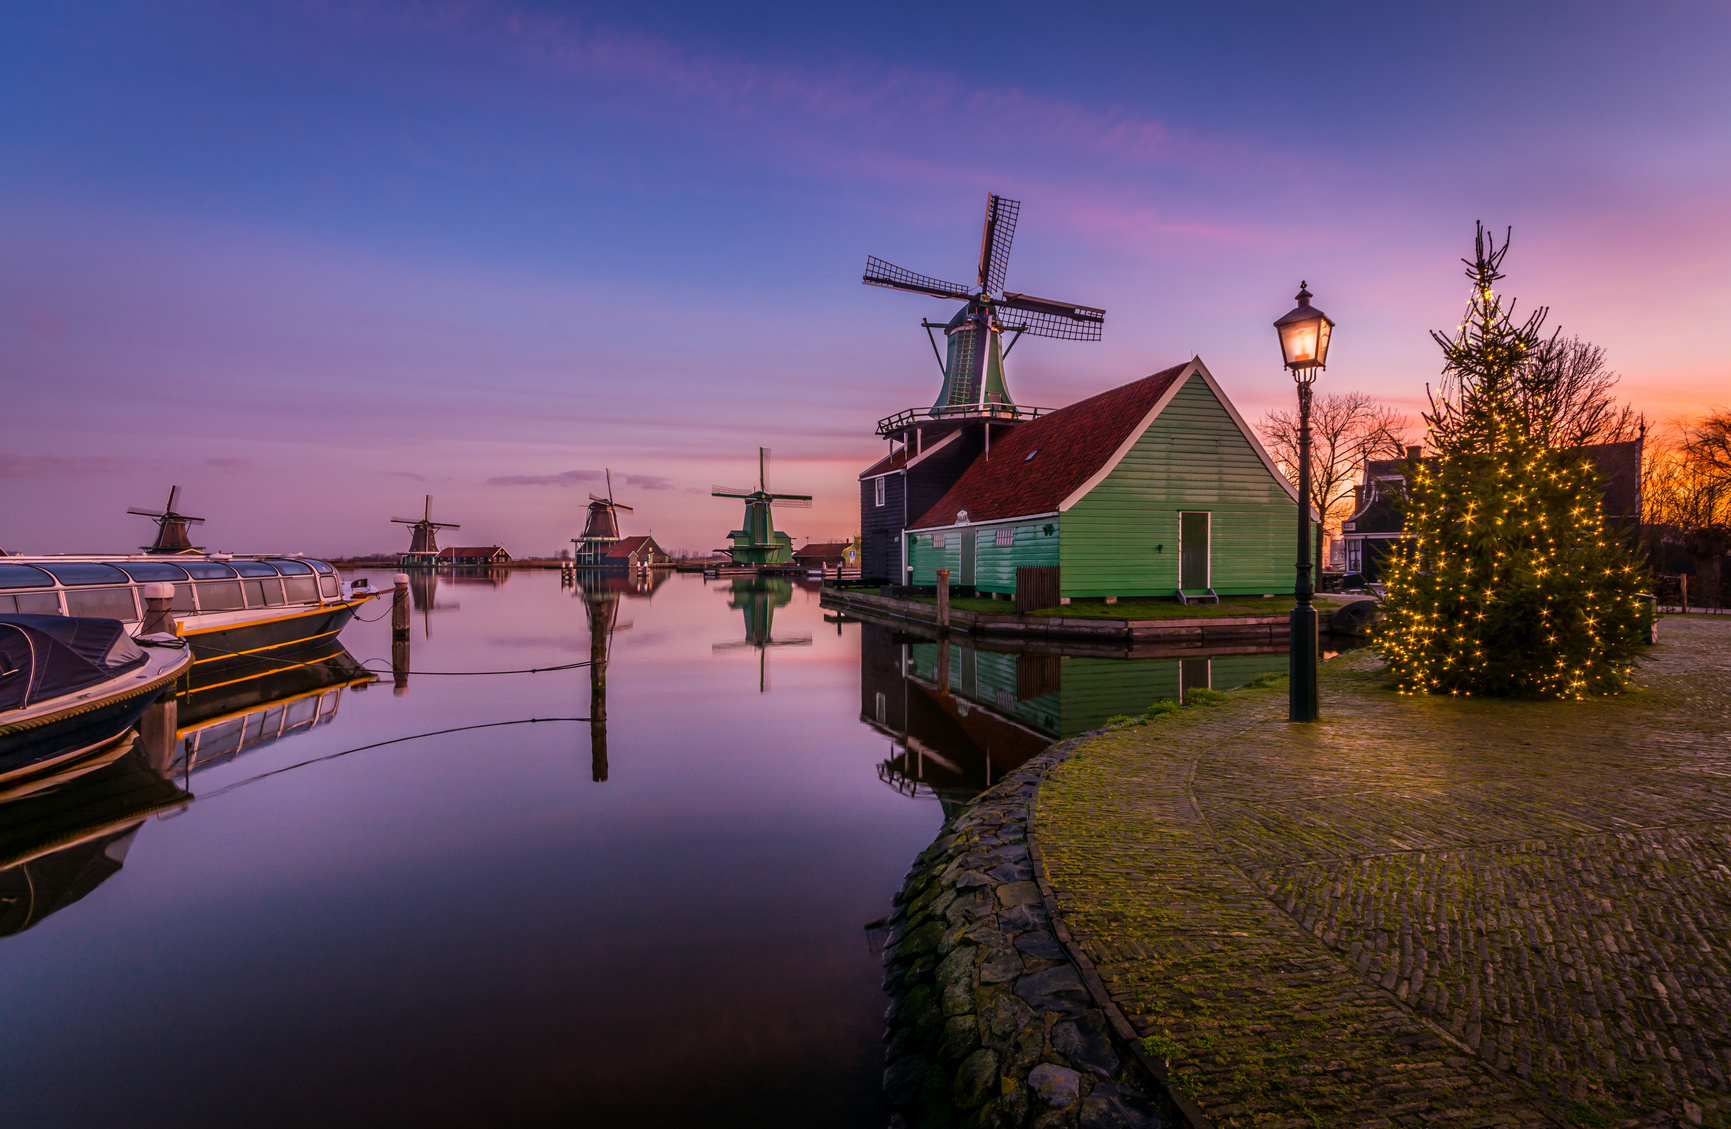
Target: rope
(379, 745)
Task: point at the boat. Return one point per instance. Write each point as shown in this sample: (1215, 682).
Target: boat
(245, 617)
(70, 686)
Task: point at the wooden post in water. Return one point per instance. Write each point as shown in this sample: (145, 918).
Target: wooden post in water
(159, 729)
(400, 634)
(597, 697)
(158, 618)
(943, 597)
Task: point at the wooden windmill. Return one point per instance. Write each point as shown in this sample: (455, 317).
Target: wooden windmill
(171, 533)
(759, 542)
(424, 541)
(974, 365)
(601, 529)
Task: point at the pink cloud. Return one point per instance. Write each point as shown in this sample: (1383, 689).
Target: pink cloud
(566, 478)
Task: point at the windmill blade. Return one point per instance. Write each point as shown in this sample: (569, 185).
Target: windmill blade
(147, 513)
(444, 525)
(792, 501)
(193, 520)
(1000, 229)
(880, 273)
(173, 498)
(594, 497)
(398, 520)
(1045, 318)
(731, 492)
(622, 506)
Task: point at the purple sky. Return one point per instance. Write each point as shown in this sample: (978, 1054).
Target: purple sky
(312, 261)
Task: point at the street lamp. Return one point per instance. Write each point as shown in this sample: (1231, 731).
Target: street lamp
(1304, 337)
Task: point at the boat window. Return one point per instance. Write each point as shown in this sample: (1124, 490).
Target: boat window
(33, 603)
(23, 576)
(147, 571)
(182, 599)
(219, 596)
(302, 589)
(290, 568)
(102, 603)
(85, 572)
(207, 570)
(328, 586)
(321, 567)
(263, 593)
(254, 568)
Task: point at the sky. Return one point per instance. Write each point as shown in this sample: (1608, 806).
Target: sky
(314, 261)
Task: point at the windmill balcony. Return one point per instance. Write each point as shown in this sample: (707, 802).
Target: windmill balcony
(915, 417)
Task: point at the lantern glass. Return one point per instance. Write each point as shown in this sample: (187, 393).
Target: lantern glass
(1304, 335)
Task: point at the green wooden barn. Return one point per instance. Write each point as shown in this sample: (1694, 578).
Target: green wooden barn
(1141, 491)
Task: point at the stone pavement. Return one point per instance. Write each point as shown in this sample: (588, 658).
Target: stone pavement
(1423, 910)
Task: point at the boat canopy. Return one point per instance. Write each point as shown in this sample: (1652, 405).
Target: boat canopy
(45, 656)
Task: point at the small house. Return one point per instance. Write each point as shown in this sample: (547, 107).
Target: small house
(633, 553)
(1152, 489)
(1377, 523)
(473, 556)
(828, 554)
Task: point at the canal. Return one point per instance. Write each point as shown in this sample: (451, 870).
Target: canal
(286, 914)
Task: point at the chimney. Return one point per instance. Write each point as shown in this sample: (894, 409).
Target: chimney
(1413, 453)
(1357, 498)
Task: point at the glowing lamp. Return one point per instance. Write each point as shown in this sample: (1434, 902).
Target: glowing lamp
(1304, 337)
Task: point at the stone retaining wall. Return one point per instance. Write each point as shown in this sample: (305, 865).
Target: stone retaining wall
(995, 1020)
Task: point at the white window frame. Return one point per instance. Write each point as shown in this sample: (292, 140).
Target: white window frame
(879, 490)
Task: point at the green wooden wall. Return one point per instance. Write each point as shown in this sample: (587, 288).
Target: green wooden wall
(1122, 538)
(994, 565)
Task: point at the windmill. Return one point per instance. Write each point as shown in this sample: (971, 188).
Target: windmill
(601, 530)
(974, 368)
(171, 536)
(759, 542)
(424, 544)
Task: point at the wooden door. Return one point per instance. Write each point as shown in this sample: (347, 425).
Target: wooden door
(1193, 550)
(967, 570)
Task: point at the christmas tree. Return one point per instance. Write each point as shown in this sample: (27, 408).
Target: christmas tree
(1509, 583)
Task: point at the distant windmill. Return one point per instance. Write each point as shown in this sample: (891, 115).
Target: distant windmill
(601, 530)
(759, 543)
(171, 535)
(424, 544)
(974, 368)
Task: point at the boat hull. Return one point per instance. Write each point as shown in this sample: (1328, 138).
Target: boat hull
(229, 656)
(47, 741)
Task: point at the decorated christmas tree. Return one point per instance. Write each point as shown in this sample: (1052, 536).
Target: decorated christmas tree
(1509, 583)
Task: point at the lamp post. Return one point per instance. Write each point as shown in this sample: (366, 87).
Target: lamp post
(1304, 348)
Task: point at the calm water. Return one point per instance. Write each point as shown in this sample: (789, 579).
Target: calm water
(518, 925)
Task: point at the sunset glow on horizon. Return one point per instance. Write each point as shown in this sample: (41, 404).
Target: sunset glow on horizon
(313, 261)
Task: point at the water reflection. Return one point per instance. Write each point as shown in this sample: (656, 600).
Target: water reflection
(757, 597)
(960, 715)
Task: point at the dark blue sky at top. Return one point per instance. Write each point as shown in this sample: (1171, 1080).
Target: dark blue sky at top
(384, 249)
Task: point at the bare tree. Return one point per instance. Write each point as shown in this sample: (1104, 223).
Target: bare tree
(1687, 482)
(1346, 428)
(1566, 395)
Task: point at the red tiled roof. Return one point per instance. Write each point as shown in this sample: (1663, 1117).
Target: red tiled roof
(625, 546)
(1068, 447)
(825, 549)
(471, 551)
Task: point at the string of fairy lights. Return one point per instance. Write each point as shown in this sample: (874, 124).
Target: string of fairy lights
(1509, 582)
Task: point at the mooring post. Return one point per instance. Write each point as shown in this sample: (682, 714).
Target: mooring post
(943, 597)
(158, 616)
(400, 607)
(160, 730)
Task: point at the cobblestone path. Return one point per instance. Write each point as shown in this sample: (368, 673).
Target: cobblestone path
(1421, 911)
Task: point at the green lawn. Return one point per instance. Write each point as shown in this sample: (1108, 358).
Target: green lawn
(1127, 609)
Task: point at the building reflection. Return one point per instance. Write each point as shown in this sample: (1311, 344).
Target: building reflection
(757, 597)
(959, 716)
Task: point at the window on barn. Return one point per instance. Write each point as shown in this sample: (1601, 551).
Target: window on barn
(1005, 538)
(937, 540)
(880, 491)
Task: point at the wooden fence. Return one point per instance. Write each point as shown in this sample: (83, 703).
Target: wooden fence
(1036, 588)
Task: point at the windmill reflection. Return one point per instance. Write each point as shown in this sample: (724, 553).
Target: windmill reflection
(602, 593)
(758, 597)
